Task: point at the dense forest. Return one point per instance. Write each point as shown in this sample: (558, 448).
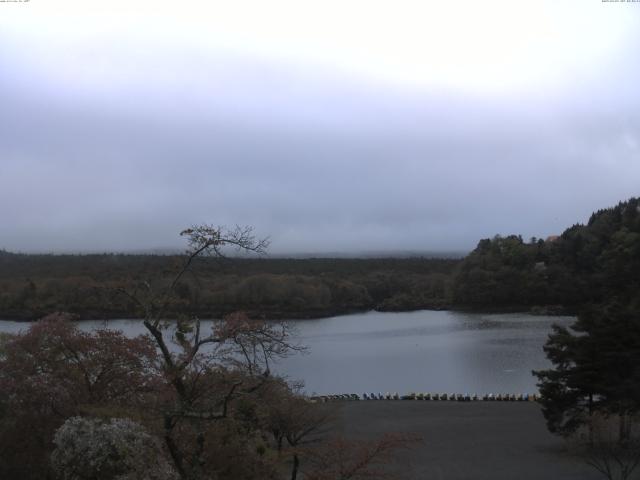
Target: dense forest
(88, 285)
(585, 264)
(592, 392)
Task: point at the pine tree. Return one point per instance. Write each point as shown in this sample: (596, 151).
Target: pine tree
(596, 368)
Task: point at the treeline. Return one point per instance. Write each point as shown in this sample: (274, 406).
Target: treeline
(90, 285)
(587, 264)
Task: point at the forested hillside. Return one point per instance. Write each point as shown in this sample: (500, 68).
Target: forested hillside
(586, 264)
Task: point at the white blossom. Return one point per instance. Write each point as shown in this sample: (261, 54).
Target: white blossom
(119, 449)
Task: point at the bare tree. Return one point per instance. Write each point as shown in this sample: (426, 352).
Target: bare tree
(223, 377)
(295, 422)
(615, 456)
(344, 459)
(207, 371)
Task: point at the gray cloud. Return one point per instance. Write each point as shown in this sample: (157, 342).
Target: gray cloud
(317, 159)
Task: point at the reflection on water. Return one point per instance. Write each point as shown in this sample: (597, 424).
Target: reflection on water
(422, 351)
(412, 351)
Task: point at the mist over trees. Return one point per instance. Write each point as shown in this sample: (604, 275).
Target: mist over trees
(585, 264)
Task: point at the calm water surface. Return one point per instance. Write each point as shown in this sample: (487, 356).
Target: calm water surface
(424, 351)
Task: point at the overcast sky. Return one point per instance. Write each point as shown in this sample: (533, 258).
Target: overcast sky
(331, 126)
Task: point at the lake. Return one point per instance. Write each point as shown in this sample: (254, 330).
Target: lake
(423, 351)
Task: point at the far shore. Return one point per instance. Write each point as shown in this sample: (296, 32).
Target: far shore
(550, 310)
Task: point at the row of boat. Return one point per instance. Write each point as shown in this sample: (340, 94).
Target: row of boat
(454, 397)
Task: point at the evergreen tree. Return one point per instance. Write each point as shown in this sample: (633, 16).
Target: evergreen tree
(596, 368)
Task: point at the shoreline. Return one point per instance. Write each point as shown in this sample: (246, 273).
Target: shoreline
(551, 310)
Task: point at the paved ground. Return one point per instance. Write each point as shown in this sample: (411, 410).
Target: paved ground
(476, 440)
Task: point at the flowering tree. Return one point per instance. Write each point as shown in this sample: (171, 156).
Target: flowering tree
(54, 371)
(118, 449)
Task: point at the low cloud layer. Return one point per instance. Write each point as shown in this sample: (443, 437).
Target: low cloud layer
(114, 144)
